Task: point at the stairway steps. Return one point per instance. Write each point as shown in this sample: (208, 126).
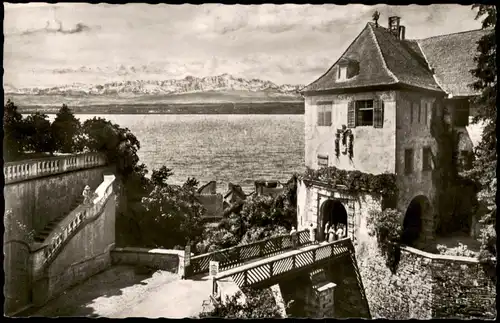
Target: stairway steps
(45, 232)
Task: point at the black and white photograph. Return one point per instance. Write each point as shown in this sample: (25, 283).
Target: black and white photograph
(241, 161)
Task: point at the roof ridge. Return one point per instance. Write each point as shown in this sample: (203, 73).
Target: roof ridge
(456, 33)
(331, 67)
(384, 63)
(433, 74)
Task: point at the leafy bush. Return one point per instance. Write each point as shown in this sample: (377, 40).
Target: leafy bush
(488, 239)
(259, 304)
(387, 228)
(461, 250)
(172, 216)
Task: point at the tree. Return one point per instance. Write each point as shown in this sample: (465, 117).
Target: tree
(65, 129)
(119, 144)
(159, 177)
(172, 215)
(39, 135)
(485, 163)
(14, 136)
(258, 304)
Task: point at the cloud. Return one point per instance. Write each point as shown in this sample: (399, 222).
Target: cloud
(275, 19)
(56, 27)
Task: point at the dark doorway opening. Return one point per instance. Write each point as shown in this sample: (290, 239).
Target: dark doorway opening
(413, 224)
(333, 212)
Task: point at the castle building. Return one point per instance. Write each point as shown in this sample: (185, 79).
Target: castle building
(373, 111)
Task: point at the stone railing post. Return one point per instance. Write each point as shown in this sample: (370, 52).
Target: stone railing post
(188, 270)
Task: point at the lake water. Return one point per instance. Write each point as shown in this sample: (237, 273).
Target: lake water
(226, 148)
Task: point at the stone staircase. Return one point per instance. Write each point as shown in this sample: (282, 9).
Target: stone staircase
(45, 232)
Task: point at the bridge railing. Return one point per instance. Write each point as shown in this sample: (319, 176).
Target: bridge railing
(258, 272)
(234, 256)
(86, 213)
(29, 169)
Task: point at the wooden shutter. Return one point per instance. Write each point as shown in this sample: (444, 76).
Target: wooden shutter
(320, 115)
(411, 112)
(351, 115)
(328, 115)
(378, 114)
(425, 113)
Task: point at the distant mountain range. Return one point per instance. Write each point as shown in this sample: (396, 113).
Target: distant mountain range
(224, 83)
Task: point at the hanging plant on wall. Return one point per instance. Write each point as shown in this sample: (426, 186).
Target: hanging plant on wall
(347, 140)
(351, 149)
(355, 181)
(337, 144)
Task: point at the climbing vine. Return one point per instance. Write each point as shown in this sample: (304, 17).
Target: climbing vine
(386, 227)
(355, 181)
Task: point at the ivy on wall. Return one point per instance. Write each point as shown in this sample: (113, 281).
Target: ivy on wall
(387, 228)
(355, 181)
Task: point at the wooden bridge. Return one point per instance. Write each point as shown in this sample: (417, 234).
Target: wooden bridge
(272, 269)
(238, 255)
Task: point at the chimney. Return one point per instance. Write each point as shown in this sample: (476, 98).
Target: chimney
(394, 25)
(402, 32)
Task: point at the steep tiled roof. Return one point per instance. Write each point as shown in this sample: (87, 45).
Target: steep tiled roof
(452, 57)
(408, 66)
(363, 49)
(384, 59)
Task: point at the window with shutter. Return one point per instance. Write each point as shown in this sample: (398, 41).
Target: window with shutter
(328, 116)
(378, 114)
(351, 115)
(419, 113)
(324, 114)
(320, 115)
(364, 113)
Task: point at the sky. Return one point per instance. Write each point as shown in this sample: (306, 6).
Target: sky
(56, 44)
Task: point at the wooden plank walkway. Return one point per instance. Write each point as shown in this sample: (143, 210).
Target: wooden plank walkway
(262, 269)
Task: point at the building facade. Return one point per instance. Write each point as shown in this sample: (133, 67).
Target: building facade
(384, 107)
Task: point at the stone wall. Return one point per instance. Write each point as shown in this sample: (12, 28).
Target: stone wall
(36, 202)
(414, 132)
(164, 259)
(84, 254)
(373, 148)
(424, 285)
(310, 198)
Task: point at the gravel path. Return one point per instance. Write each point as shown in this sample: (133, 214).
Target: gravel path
(120, 292)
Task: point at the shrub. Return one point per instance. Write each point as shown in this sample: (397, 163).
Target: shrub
(386, 227)
(259, 304)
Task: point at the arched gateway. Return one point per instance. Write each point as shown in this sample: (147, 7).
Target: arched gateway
(419, 210)
(333, 212)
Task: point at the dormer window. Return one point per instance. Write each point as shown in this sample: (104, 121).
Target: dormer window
(347, 68)
(342, 73)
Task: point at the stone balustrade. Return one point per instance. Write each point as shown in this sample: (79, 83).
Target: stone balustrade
(33, 168)
(82, 213)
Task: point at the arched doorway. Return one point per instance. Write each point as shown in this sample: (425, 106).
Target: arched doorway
(333, 212)
(413, 222)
